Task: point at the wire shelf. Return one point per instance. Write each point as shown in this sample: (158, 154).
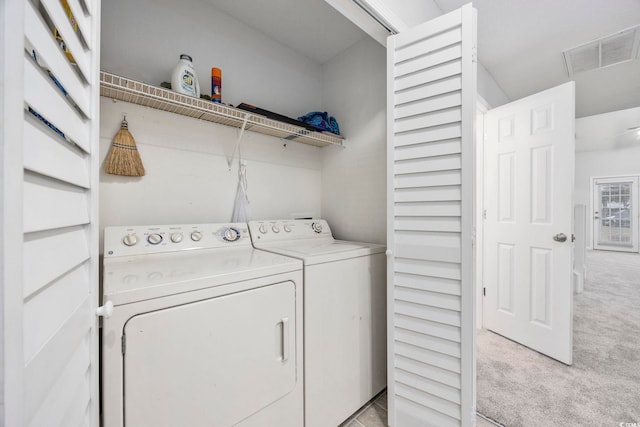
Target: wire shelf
(124, 89)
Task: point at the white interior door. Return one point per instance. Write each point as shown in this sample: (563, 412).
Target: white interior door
(528, 202)
(49, 230)
(431, 110)
(615, 213)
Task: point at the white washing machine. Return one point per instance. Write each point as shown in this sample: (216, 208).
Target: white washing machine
(205, 330)
(344, 315)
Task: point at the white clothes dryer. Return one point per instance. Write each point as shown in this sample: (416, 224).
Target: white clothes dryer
(205, 330)
(344, 315)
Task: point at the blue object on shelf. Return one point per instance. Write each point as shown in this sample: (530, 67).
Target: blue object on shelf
(322, 121)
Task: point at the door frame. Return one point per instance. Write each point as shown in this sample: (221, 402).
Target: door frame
(482, 106)
(592, 206)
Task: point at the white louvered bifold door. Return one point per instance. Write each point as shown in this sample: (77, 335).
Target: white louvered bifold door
(431, 112)
(50, 213)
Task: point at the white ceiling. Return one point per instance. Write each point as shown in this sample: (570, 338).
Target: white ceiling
(310, 27)
(520, 42)
(609, 131)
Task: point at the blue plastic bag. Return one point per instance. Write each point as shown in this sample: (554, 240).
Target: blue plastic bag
(322, 121)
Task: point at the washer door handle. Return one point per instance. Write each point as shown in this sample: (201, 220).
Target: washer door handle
(285, 338)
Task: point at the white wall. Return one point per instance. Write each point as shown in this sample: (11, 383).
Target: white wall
(611, 152)
(607, 131)
(602, 163)
(353, 178)
(255, 69)
(187, 179)
(489, 89)
(187, 176)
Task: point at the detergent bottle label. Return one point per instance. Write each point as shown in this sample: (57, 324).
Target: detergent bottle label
(188, 83)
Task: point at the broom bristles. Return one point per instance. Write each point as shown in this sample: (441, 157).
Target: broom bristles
(124, 158)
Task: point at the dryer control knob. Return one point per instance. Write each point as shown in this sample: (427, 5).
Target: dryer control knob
(231, 235)
(262, 229)
(287, 229)
(130, 239)
(196, 236)
(317, 227)
(275, 229)
(176, 237)
(154, 238)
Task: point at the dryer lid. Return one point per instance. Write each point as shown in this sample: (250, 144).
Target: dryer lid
(314, 251)
(143, 277)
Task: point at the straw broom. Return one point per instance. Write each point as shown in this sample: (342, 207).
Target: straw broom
(123, 158)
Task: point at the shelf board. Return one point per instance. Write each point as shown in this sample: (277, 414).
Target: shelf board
(124, 89)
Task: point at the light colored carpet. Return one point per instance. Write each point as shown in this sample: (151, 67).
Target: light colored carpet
(519, 387)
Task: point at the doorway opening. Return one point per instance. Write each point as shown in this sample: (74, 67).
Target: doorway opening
(526, 219)
(529, 384)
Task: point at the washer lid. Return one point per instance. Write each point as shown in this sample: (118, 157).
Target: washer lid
(316, 251)
(143, 277)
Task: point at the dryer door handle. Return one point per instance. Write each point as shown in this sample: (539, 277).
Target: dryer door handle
(285, 338)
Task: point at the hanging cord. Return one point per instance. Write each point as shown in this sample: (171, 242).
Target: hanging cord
(242, 176)
(241, 204)
(237, 147)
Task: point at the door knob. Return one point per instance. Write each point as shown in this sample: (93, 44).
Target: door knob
(105, 310)
(560, 237)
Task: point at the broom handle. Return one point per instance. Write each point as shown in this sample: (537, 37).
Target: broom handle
(235, 150)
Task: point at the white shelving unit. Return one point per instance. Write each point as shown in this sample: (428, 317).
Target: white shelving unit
(128, 90)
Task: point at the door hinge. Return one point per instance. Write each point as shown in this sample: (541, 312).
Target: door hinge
(484, 214)
(123, 342)
(484, 292)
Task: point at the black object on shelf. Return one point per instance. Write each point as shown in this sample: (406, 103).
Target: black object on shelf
(279, 117)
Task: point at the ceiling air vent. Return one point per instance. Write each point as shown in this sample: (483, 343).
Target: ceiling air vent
(613, 49)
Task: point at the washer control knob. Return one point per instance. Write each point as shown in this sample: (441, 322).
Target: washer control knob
(287, 229)
(130, 239)
(196, 236)
(231, 235)
(176, 237)
(154, 238)
(275, 229)
(317, 227)
(262, 229)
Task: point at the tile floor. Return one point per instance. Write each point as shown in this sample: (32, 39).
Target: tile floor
(374, 414)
